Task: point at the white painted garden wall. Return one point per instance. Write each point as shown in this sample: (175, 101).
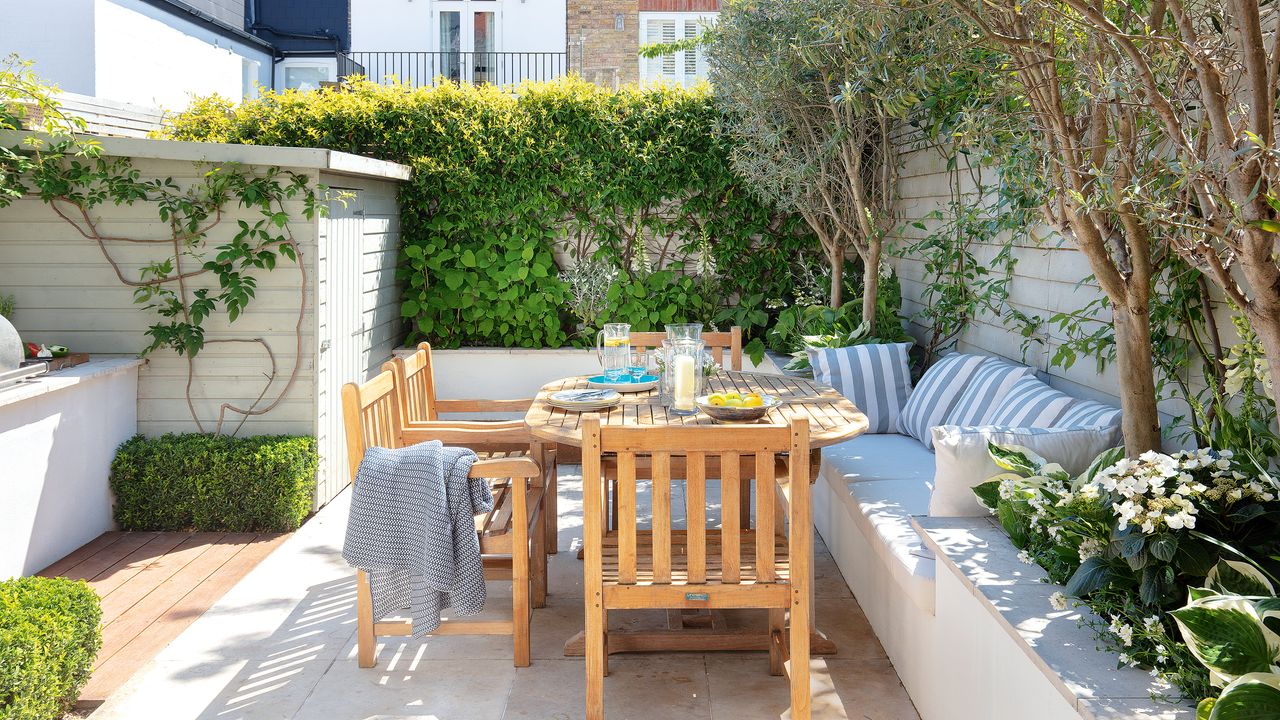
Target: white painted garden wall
(67, 293)
(1048, 278)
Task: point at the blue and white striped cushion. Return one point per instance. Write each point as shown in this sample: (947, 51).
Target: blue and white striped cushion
(1087, 413)
(985, 391)
(873, 377)
(935, 396)
(1031, 404)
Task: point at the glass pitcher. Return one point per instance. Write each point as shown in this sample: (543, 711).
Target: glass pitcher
(613, 349)
(691, 332)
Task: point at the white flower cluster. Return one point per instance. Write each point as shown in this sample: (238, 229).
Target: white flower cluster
(1159, 491)
(1090, 547)
(1058, 601)
(1122, 630)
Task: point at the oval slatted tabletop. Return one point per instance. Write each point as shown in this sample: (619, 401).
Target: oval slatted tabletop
(832, 418)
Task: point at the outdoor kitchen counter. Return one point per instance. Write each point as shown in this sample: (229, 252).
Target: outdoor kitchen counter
(63, 379)
(58, 435)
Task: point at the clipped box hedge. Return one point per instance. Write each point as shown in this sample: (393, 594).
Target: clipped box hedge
(49, 637)
(214, 482)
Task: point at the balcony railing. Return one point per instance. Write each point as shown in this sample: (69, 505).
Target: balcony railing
(418, 69)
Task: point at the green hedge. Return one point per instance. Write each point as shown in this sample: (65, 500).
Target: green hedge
(49, 637)
(500, 182)
(214, 482)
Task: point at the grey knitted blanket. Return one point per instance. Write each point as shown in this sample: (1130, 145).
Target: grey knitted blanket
(412, 529)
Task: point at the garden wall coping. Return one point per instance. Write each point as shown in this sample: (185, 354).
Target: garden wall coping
(979, 553)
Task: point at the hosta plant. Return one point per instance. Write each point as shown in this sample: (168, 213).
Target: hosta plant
(1156, 524)
(1232, 626)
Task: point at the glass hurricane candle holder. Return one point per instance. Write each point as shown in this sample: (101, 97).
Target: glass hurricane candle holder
(684, 367)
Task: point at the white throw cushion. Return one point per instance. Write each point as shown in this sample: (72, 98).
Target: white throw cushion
(936, 394)
(1030, 404)
(873, 377)
(1087, 413)
(964, 461)
(985, 391)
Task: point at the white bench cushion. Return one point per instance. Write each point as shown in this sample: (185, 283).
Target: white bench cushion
(879, 457)
(883, 483)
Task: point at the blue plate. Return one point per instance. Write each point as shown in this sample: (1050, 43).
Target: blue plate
(624, 384)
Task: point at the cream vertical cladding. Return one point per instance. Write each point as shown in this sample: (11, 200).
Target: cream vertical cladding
(67, 293)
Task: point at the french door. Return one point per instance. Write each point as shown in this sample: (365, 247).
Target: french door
(466, 33)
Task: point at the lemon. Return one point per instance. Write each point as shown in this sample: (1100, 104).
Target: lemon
(717, 400)
(731, 395)
(748, 396)
(753, 400)
(617, 342)
(733, 401)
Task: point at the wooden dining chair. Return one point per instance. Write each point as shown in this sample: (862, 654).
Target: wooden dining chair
(726, 348)
(719, 344)
(701, 566)
(512, 543)
(420, 409)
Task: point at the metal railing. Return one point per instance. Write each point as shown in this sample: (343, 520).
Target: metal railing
(419, 69)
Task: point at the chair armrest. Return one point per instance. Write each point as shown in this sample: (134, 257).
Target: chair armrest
(467, 433)
(505, 468)
(471, 406)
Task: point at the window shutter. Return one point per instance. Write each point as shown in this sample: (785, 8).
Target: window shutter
(690, 56)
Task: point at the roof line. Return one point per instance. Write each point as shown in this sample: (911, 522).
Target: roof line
(187, 12)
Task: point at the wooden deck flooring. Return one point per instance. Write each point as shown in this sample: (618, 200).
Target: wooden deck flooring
(153, 585)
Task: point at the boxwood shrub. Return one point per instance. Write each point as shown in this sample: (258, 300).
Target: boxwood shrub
(49, 637)
(214, 482)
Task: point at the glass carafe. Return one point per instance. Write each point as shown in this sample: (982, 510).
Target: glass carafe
(613, 349)
(684, 332)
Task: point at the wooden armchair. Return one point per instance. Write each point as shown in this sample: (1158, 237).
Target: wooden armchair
(512, 540)
(420, 409)
(702, 566)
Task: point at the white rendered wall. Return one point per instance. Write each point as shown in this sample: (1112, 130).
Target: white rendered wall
(409, 25)
(148, 57)
(57, 449)
(64, 56)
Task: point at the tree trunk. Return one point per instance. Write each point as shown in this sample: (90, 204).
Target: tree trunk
(870, 284)
(1141, 422)
(836, 257)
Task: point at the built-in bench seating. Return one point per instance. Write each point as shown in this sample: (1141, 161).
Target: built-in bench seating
(867, 494)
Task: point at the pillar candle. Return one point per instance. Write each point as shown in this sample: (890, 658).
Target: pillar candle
(682, 391)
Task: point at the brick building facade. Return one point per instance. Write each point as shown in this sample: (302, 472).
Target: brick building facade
(605, 35)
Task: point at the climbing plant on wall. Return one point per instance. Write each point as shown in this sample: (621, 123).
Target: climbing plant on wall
(202, 265)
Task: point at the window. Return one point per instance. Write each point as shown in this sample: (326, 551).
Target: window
(306, 77)
(684, 67)
(249, 79)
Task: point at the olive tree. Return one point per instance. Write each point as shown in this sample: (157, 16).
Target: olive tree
(811, 94)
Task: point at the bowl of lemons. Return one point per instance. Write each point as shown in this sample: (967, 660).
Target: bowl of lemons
(736, 407)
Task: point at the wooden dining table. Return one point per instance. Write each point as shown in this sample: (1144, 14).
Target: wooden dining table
(832, 419)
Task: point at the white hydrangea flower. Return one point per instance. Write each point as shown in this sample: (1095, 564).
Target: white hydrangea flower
(1058, 601)
(1025, 557)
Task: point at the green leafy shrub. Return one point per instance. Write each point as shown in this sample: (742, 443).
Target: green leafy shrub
(49, 637)
(214, 482)
(640, 180)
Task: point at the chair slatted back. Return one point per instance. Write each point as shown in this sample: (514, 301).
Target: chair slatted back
(711, 555)
(718, 344)
(372, 416)
(416, 375)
